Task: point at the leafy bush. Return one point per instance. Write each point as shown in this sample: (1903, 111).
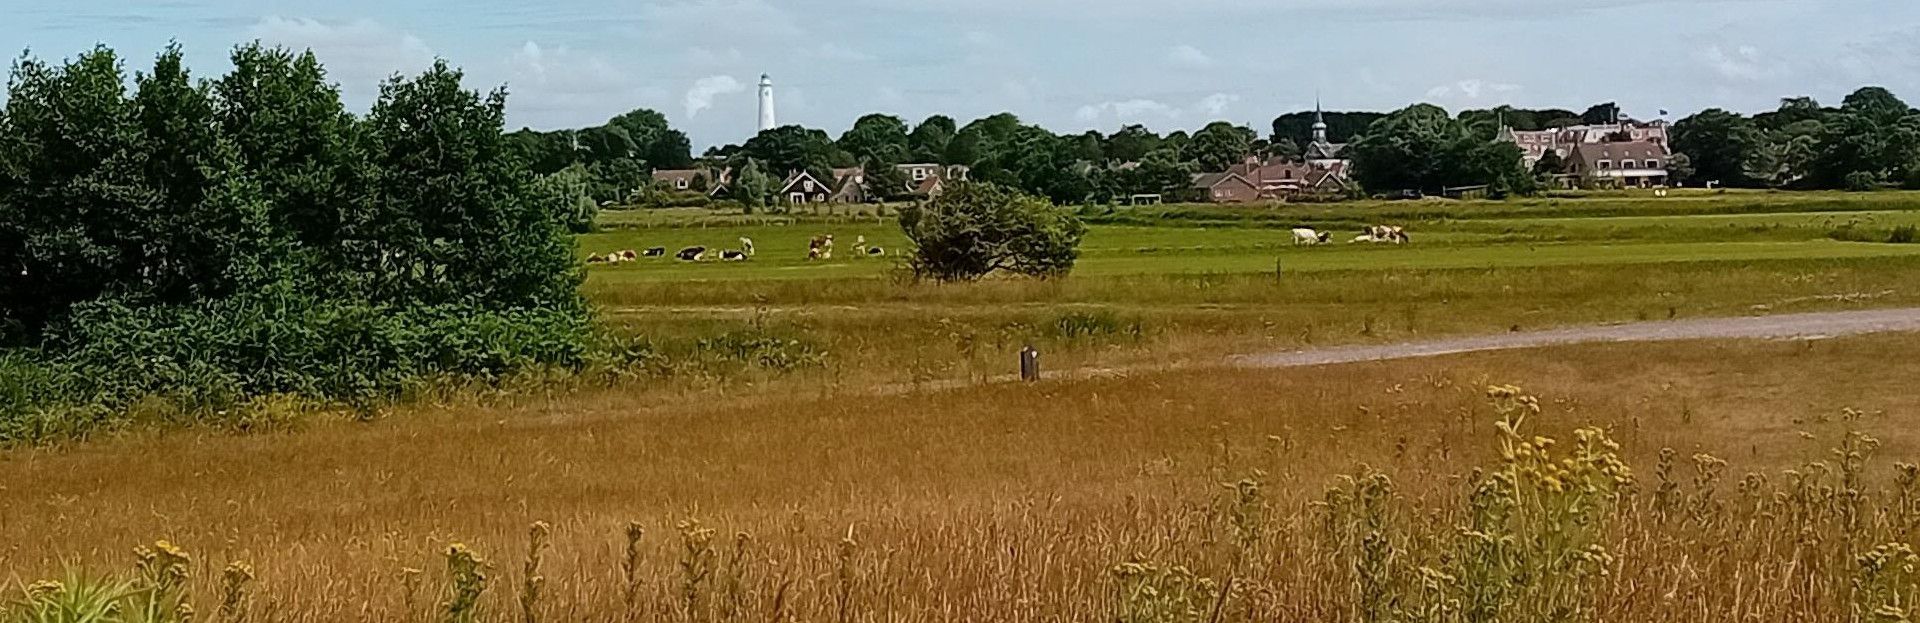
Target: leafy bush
(191, 249)
(1862, 181)
(210, 360)
(974, 229)
(1903, 234)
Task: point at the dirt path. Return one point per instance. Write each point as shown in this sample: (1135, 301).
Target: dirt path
(1784, 326)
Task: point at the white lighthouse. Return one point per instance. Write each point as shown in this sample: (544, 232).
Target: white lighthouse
(766, 103)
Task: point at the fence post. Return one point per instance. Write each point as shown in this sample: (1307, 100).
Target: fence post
(1029, 364)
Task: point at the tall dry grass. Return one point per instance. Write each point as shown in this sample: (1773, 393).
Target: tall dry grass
(1383, 492)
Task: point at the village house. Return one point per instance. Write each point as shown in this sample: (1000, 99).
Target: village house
(802, 187)
(1225, 188)
(1629, 164)
(712, 182)
(849, 185)
(1322, 170)
(1534, 144)
(926, 180)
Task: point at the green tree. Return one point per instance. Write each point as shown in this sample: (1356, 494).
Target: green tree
(1550, 163)
(451, 216)
(1162, 172)
(203, 230)
(295, 139)
(1089, 147)
(929, 140)
(1405, 149)
(570, 192)
(1720, 144)
(607, 143)
(753, 185)
(793, 148)
(975, 229)
(877, 138)
(1601, 114)
(1680, 169)
(545, 153)
(1873, 133)
(654, 141)
(1220, 145)
(1131, 143)
(1341, 126)
(617, 180)
(1284, 148)
(72, 207)
(885, 182)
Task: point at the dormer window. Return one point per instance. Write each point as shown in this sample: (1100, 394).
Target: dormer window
(1605, 165)
(919, 174)
(680, 183)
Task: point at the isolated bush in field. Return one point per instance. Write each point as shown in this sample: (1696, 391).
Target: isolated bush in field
(974, 229)
(1861, 181)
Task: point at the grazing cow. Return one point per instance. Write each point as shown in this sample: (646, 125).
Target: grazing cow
(657, 252)
(746, 245)
(1385, 233)
(820, 248)
(1304, 235)
(596, 259)
(875, 251)
(733, 256)
(692, 254)
(628, 255)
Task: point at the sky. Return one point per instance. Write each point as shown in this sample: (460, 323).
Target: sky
(1067, 65)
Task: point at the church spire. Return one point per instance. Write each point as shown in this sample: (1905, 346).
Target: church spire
(1319, 122)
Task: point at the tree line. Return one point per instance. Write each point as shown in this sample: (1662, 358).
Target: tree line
(1871, 139)
(612, 162)
(244, 235)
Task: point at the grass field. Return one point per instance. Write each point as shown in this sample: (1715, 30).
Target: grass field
(1008, 502)
(1178, 282)
(804, 485)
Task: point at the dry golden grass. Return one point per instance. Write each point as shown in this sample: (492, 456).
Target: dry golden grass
(1009, 503)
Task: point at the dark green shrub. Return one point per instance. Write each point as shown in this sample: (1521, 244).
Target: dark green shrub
(974, 229)
(1861, 181)
(1903, 234)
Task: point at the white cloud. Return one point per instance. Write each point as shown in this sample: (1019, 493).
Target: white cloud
(1739, 63)
(704, 90)
(358, 54)
(1188, 56)
(1216, 104)
(1472, 89)
(1472, 92)
(1141, 110)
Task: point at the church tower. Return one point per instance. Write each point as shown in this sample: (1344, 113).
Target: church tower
(1319, 123)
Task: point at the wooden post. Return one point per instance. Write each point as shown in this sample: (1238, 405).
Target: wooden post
(1029, 364)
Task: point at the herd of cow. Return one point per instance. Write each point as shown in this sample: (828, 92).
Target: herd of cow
(819, 248)
(1390, 234)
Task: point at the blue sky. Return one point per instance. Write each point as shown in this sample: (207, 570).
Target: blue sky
(1068, 65)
